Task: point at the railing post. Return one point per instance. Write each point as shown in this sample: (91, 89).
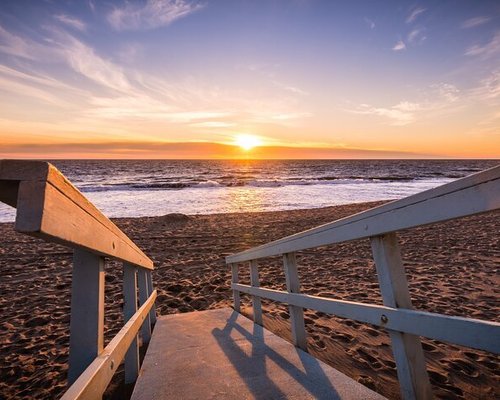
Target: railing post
(296, 313)
(407, 349)
(254, 281)
(152, 313)
(87, 312)
(142, 281)
(236, 293)
(129, 309)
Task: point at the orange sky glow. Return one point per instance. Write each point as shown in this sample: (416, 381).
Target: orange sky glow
(135, 80)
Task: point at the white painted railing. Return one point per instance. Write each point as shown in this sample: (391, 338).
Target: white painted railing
(474, 194)
(51, 208)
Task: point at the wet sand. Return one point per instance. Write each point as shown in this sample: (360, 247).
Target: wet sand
(453, 268)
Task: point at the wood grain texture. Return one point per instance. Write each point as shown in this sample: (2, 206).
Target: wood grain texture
(474, 333)
(129, 309)
(299, 336)
(142, 282)
(92, 383)
(87, 312)
(50, 207)
(256, 303)
(407, 349)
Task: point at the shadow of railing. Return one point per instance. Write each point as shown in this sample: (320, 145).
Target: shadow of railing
(253, 368)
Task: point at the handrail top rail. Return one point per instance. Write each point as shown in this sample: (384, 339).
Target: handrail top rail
(50, 207)
(423, 208)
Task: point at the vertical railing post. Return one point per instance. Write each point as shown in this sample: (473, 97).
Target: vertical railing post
(129, 309)
(254, 281)
(86, 340)
(407, 349)
(236, 293)
(152, 313)
(142, 281)
(296, 313)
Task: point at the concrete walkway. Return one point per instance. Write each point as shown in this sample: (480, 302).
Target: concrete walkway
(219, 354)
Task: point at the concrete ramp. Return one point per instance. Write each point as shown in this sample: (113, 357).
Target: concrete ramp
(220, 354)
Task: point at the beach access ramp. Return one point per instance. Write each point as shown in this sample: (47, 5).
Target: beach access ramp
(219, 353)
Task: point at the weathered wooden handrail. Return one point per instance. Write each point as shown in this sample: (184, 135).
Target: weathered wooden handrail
(95, 379)
(474, 194)
(471, 195)
(50, 207)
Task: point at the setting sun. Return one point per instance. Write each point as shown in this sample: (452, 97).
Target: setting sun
(247, 142)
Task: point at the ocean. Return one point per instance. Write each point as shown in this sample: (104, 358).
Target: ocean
(136, 188)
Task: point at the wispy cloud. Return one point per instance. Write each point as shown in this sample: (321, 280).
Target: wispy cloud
(399, 46)
(296, 90)
(414, 13)
(400, 114)
(416, 36)
(83, 59)
(27, 90)
(20, 47)
(488, 88)
(213, 124)
(370, 23)
(448, 92)
(473, 22)
(34, 79)
(104, 96)
(486, 50)
(435, 100)
(72, 22)
(155, 13)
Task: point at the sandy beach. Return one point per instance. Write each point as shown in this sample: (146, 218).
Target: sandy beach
(452, 268)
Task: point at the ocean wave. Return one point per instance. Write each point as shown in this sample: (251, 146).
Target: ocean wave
(209, 183)
(257, 183)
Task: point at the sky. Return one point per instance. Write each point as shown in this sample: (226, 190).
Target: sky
(303, 78)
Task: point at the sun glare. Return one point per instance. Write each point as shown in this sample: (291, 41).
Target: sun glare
(247, 142)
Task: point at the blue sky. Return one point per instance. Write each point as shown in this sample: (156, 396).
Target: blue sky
(420, 77)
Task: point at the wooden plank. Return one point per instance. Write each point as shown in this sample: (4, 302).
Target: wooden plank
(299, 337)
(142, 282)
(87, 312)
(256, 303)
(94, 380)
(41, 208)
(469, 332)
(44, 190)
(152, 313)
(129, 309)
(236, 294)
(407, 349)
(24, 170)
(475, 194)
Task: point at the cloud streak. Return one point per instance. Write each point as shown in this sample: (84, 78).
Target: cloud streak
(414, 14)
(473, 22)
(416, 36)
(154, 14)
(17, 46)
(83, 59)
(72, 22)
(400, 114)
(399, 46)
(487, 50)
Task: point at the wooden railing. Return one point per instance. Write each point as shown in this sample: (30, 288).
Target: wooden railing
(474, 194)
(51, 208)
